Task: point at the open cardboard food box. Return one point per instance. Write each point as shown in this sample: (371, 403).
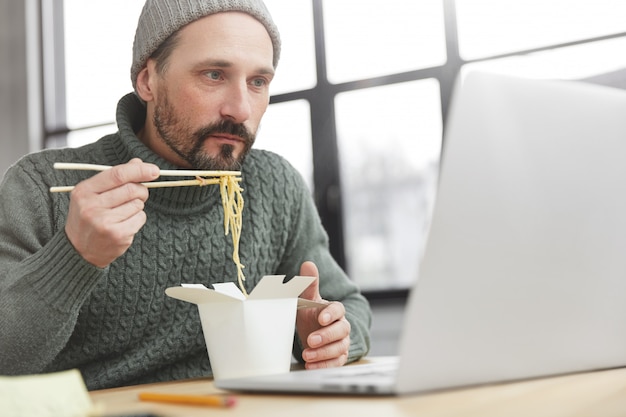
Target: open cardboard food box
(247, 336)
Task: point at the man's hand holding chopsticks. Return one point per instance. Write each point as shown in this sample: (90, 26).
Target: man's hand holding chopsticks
(106, 211)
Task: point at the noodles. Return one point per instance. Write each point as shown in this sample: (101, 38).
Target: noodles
(230, 191)
(232, 201)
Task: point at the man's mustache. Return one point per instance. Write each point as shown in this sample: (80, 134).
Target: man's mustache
(225, 127)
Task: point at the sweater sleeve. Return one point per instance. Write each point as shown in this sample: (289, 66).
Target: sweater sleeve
(43, 280)
(309, 242)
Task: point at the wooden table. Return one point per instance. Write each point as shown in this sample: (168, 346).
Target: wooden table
(601, 393)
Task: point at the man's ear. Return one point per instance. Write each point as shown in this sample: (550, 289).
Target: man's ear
(145, 79)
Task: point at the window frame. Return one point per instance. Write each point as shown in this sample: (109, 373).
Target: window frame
(321, 98)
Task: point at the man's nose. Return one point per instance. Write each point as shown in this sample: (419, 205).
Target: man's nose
(236, 103)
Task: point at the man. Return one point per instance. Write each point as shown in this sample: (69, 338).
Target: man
(82, 276)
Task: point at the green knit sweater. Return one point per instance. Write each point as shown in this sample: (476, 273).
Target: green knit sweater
(116, 325)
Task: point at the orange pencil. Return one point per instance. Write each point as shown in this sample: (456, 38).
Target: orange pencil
(210, 400)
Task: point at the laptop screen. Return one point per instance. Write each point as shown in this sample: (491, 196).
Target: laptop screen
(524, 272)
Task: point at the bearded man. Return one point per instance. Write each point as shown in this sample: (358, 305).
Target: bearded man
(83, 275)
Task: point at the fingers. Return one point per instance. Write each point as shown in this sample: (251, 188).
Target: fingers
(330, 334)
(309, 269)
(325, 332)
(106, 211)
(316, 360)
(112, 223)
(134, 171)
(312, 292)
(333, 312)
(116, 186)
(328, 346)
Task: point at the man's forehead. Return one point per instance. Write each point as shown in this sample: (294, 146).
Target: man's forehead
(225, 35)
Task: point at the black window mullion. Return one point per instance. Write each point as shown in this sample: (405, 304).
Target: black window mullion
(326, 173)
(453, 64)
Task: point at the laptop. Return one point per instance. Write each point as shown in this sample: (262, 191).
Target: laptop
(524, 270)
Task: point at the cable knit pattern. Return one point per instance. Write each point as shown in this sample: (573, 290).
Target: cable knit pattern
(116, 324)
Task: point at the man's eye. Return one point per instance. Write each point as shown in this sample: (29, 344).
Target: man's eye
(214, 75)
(259, 82)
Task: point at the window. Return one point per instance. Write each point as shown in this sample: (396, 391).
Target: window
(98, 39)
(370, 38)
(495, 27)
(296, 70)
(389, 142)
(290, 139)
(360, 98)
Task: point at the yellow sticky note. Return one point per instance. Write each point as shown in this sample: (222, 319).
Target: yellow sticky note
(59, 394)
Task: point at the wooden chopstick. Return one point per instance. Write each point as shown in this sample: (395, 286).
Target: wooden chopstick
(199, 181)
(163, 172)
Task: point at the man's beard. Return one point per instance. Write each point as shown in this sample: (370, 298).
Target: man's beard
(189, 144)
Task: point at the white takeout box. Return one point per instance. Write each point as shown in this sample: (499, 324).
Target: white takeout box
(247, 336)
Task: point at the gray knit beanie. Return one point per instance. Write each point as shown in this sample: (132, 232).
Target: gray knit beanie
(161, 18)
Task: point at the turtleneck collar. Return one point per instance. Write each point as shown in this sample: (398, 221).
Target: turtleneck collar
(131, 115)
